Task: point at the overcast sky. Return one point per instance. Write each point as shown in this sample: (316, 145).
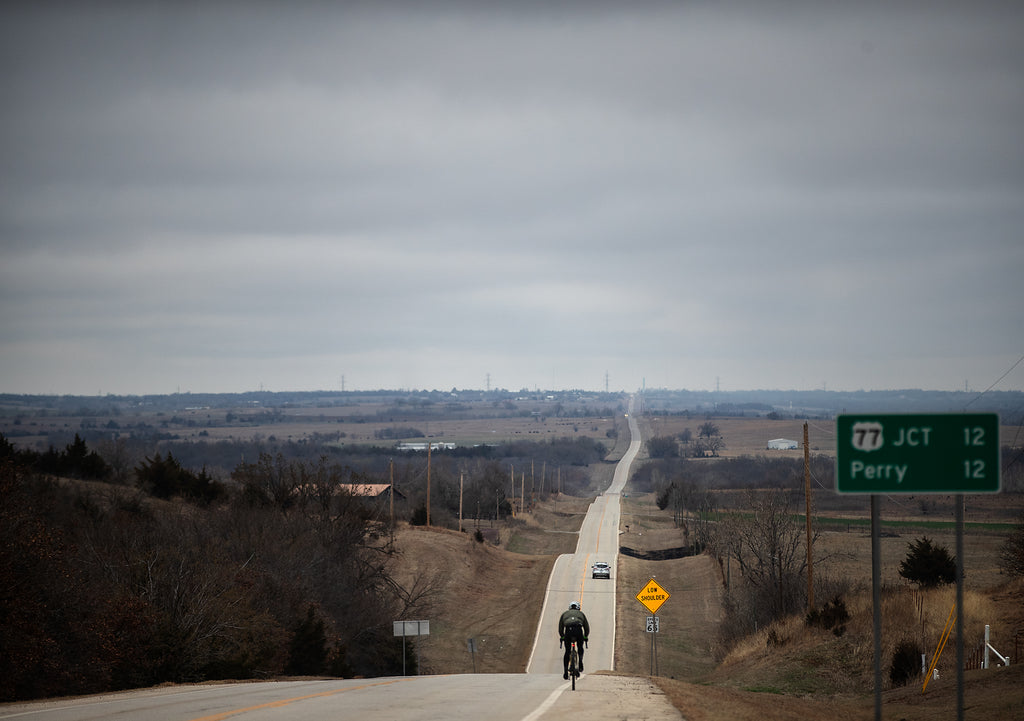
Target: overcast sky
(220, 197)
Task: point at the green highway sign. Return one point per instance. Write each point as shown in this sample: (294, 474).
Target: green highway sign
(918, 453)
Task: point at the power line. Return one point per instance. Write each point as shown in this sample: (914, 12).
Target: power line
(1019, 360)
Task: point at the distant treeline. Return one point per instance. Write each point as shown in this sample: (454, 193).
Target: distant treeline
(410, 405)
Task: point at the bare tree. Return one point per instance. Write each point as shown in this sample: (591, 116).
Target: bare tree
(768, 546)
(707, 429)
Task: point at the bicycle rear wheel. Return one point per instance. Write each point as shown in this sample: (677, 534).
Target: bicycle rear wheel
(574, 666)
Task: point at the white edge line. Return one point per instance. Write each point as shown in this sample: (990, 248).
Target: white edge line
(548, 703)
(543, 610)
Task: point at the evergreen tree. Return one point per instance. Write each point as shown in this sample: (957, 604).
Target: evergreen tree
(927, 564)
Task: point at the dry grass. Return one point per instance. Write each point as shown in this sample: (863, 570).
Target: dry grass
(494, 595)
(478, 591)
(790, 656)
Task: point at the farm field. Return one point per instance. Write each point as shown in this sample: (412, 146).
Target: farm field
(470, 424)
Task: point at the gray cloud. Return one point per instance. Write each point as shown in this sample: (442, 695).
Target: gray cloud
(219, 196)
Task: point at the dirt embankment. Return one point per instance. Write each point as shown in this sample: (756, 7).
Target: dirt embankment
(472, 590)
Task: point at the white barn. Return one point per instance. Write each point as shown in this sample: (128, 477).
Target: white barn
(782, 444)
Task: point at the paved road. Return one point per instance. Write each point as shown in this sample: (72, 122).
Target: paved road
(571, 578)
(539, 695)
(471, 697)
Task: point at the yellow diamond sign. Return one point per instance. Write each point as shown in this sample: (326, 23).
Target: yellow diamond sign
(652, 596)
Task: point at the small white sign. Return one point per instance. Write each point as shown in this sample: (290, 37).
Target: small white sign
(412, 628)
(653, 624)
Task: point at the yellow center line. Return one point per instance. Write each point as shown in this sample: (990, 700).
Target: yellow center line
(586, 563)
(583, 577)
(286, 701)
(600, 525)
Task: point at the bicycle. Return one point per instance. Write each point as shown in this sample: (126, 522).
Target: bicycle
(574, 663)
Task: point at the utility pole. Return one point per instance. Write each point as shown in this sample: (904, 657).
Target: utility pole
(392, 495)
(461, 474)
(522, 492)
(428, 484)
(807, 496)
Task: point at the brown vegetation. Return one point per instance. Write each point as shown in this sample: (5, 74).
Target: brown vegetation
(490, 586)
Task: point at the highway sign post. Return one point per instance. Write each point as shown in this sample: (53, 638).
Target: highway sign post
(410, 628)
(945, 453)
(651, 596)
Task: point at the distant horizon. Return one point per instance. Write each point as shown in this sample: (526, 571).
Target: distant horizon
(467, 389)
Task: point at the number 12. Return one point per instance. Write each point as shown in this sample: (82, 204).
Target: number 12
(974, 436)
(974, 469)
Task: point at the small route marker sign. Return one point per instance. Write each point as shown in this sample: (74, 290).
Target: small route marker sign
(918, 453)
(652, 596)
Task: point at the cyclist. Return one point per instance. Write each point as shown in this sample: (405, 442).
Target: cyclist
(573, 626)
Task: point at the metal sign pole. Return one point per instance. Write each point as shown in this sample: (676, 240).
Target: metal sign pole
(960, 607)
(654, 640)
(403, 628)
(652, 654)
(876, 602)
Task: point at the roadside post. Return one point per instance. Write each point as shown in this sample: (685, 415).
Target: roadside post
(410, 628)
(651, 597)
(939, 453)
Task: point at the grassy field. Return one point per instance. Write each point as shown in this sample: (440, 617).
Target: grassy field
(344, 425)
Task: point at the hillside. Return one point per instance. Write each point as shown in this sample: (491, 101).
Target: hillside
(494, 596)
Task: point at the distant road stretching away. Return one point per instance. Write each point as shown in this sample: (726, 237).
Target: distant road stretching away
(571, 578)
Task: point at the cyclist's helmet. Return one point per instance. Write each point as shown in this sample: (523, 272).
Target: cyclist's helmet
(574, 606)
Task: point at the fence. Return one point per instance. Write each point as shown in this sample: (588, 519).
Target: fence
(979, 657)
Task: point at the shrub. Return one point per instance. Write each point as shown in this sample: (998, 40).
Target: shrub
(906, 660)
(662, 447)
(308, 650)
(832, 616)
(775, 639)
(419, 517)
